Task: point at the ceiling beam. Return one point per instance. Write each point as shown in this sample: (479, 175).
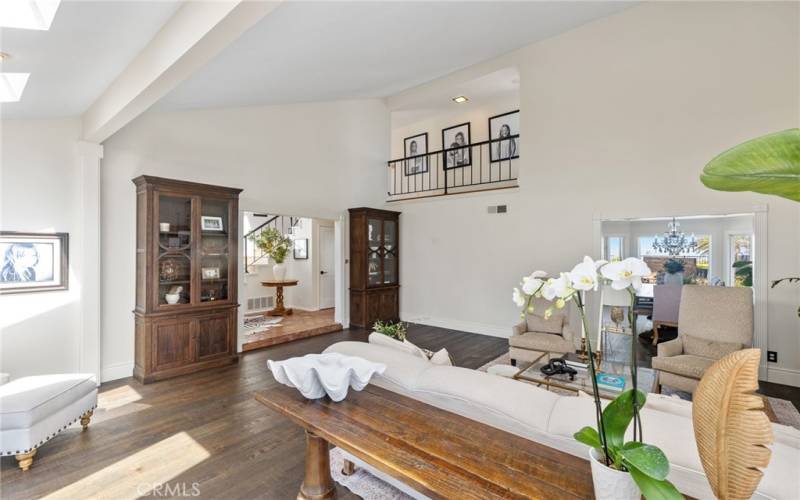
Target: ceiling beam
(191, 38)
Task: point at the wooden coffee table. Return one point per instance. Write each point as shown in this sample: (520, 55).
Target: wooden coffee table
(438, 453)
(279, 310)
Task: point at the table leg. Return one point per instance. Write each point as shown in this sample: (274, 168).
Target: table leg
(317, 482)
(280, 309)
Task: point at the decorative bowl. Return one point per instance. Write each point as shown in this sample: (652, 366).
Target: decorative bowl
(331, 374)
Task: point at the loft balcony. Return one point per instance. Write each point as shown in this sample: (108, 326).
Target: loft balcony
(481, 166)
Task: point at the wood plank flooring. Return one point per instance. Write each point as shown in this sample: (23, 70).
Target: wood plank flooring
(206, 431)
(202, 431)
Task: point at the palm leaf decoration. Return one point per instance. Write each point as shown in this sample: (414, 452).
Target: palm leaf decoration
(730, 427)
(769, 164)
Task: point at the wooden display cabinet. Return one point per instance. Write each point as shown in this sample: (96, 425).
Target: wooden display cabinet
(374, 266)
(186, 277)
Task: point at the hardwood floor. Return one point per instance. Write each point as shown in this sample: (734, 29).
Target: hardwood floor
(202, 431)
(300, 325)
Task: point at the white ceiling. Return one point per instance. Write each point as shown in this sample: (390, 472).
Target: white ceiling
(316, 51)
(87, 46)
(303, 51)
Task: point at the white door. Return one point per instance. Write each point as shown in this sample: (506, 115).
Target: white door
(326, 275)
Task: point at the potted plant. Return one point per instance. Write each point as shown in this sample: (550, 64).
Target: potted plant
(620, 470)
(277, 247)
(769, 164)
(396, 331)
(673, 269)
(743, 271)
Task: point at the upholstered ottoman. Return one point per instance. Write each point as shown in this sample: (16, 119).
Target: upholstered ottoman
(35, 409)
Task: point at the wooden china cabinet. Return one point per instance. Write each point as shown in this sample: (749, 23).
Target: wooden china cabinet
(374, 266)
(186, 277)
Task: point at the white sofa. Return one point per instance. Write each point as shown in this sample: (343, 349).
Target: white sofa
(551, 419)
(34, 409)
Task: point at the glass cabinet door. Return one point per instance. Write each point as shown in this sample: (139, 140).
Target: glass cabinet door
(374, 252)
(389, 252)
(214, 256)
(175, 240)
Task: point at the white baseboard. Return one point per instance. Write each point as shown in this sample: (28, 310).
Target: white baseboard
(117, 371)
(785, 376)
(455, 324)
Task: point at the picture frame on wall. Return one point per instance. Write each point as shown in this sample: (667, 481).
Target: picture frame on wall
(300, 249)
(209, 223)
(455, 143)
(33, 262)
(501, 126)
(415, 147)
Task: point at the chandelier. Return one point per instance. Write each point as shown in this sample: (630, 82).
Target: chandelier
(674, 242)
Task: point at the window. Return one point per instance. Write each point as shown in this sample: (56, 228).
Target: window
(614, 248)
(741, 250)
(702, 254)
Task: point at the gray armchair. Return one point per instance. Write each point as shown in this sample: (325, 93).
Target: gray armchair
(536, 335)
(712, 322)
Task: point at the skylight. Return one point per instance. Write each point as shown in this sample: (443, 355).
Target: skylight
(28, 14)
(12, 85)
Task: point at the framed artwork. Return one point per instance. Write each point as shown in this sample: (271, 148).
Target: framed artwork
(301, 249)
(208, 223)
(456, 136)
(33, 262)
(415, 146)
(210, 273)
(500, 126)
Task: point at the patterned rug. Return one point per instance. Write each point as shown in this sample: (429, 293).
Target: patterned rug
(362, 483)
(260, 323)
(779, 410)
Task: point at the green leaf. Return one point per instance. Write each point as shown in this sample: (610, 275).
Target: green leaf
(618, 415)
(653, 489)
(588, 436)
(769, 164)
(648, 459)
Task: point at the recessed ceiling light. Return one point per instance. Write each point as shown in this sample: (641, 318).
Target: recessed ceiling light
(12, 85)
(28, 14)
(459, 99)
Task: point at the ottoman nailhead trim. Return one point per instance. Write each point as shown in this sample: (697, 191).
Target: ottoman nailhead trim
(49, 437)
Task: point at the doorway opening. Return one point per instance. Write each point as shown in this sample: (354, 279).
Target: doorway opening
(295, 298)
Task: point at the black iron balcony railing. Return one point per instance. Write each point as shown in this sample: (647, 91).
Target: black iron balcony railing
(473, 167)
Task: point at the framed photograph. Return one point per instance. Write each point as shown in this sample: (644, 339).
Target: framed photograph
(208, 223)
(301, 249)
(500, 126)
(33, 262)
(456, 136)
(210, 273)
(415, 146)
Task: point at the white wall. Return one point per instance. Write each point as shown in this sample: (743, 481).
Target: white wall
(304, 295)
(619, 117)
(311, 159)
(40, 191)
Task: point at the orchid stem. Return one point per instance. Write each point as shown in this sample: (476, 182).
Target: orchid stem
(598, 407)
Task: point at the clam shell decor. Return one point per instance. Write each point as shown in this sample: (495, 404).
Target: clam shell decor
(316, 375)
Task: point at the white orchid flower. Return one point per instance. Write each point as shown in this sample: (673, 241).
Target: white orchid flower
(557, 287)
(519, 298)
(531, 284)
(626, 273)
(584, 275)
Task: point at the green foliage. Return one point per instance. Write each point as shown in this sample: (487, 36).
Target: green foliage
(273, 243)
(744, 271)
(673, 266)
(769, 164)
(647, 464)
(395, 330)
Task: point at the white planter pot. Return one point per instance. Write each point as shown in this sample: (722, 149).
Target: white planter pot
(611, 484)
(279, 272)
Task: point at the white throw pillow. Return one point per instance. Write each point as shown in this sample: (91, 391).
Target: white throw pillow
(442, 358)
(404, 346)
